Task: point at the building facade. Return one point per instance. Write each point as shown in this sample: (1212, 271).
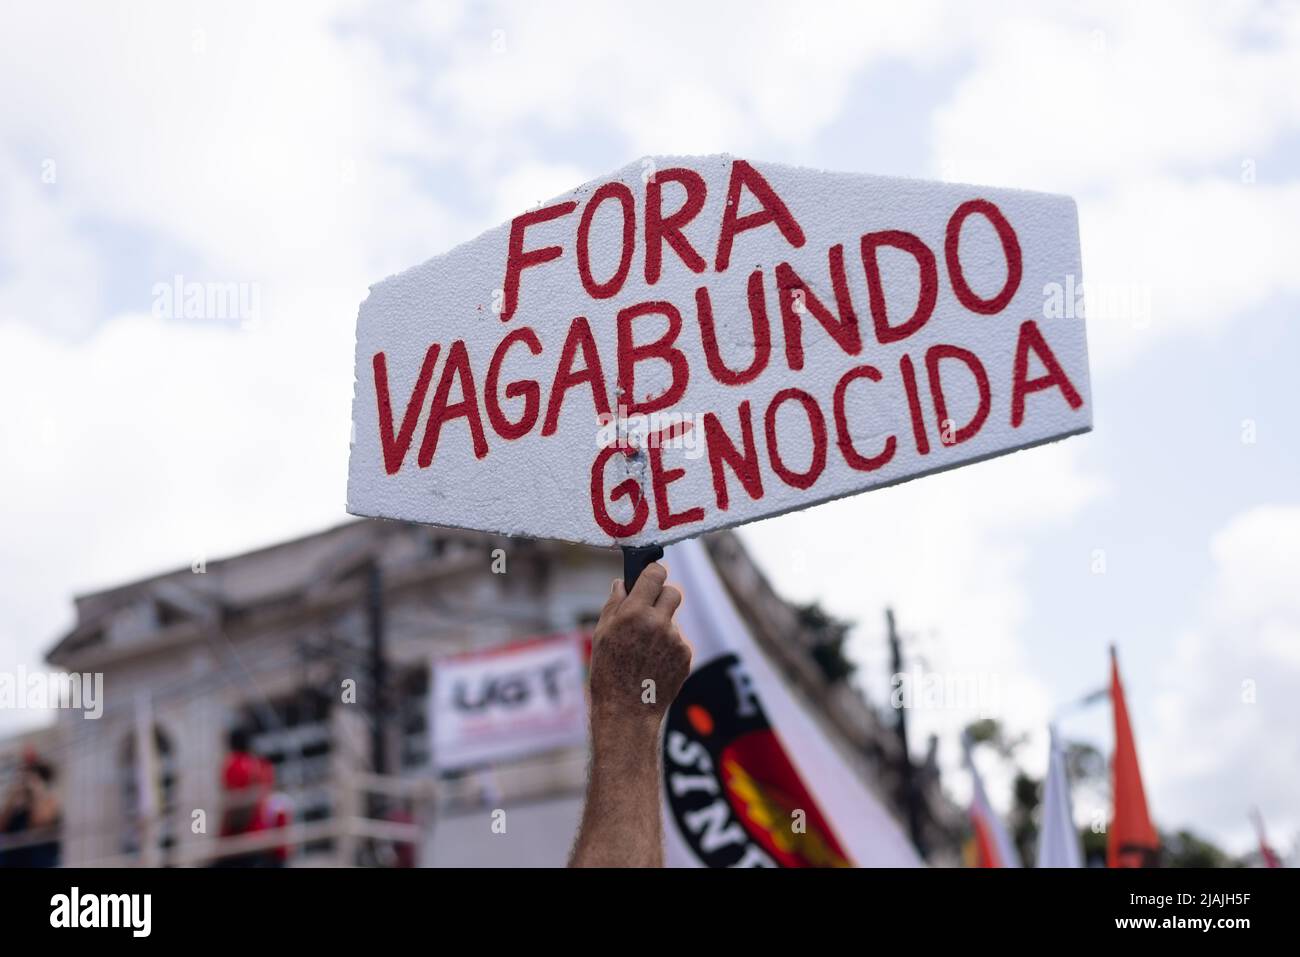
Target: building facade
(321, 647)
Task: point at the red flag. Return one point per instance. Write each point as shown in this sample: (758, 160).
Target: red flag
(1265, 849)
(986, 845)
(1132, 841)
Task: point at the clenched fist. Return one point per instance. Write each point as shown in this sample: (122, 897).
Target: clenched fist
(639, 659)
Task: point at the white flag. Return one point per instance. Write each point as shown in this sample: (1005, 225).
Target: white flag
(993, 844)
(749, 778)
(1058, 841)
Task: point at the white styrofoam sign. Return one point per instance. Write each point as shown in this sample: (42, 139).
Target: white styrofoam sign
(508, 702)
(695, 342)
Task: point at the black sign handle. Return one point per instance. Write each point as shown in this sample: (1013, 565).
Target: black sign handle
(635, 560)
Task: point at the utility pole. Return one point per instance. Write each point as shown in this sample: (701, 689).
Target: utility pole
(378, 670)
(911, 796)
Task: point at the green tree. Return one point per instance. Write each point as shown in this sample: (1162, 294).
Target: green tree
(829, 634)
(1185, 849)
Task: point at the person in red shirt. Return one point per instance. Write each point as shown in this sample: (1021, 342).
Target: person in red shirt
(31, 809)
(247, 781)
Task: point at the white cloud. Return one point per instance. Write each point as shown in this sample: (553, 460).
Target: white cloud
(265, 139)
(1097, 95)
(49, 272)
(673, 77)
(1227, 708)
(1166, 258)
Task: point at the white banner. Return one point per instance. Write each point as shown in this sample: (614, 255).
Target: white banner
(508, 702)
(750, 780)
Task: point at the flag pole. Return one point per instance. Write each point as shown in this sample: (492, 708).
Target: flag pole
(911, 795)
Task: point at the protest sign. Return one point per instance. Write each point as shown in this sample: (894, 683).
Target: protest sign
(508, 702)
(695, 342)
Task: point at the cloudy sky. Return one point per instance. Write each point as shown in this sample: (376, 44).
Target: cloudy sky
(305, 154)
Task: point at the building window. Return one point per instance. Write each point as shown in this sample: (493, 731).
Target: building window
(162, 799)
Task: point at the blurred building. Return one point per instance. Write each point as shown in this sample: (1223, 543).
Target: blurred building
(321, 646)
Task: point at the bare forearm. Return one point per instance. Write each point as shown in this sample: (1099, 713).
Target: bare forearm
(638, 664)
(621, 826)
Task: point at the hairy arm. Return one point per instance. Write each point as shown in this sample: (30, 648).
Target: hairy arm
(635, 642)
